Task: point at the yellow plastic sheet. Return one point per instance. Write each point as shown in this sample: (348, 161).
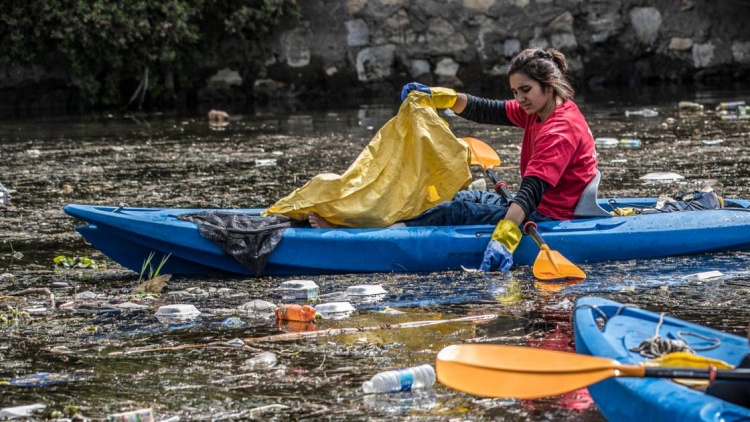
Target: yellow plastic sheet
(684, 359)
(413, 163)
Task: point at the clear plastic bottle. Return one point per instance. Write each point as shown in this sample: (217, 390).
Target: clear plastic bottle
(730, 105)
(401, 380)
(263, 360)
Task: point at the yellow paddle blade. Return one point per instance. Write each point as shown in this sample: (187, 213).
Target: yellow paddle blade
(551, 265)
(521, 372)
(482, 154)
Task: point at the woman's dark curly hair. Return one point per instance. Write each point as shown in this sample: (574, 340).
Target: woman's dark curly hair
(548, 67)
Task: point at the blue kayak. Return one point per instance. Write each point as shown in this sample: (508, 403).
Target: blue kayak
(651, 399)
(129, 235)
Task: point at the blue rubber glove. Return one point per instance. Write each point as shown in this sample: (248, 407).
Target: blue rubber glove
(499, 252)
(411, 86)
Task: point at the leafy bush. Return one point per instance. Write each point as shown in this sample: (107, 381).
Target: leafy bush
(106, 42)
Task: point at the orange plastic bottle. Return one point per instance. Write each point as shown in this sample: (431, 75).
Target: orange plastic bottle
(292, 312)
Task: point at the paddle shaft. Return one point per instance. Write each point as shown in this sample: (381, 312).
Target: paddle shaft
(719, 374)
(502, 189)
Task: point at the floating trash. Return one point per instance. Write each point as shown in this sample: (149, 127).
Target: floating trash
(232, 322)
(263, 360)
(298, 290)
(390, 311)
(265, 162)
(258, 308)
(335, 310)
(140, 415)
(690, 106)
(707, 275)
(709, 143)
(646, 112)
(42, 379)
(366, 293)
(176, 314)
(21, 411)
(662, 177)
(606, 142)
(730, 105)
(614, 142)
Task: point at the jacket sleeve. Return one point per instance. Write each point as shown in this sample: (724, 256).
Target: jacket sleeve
(483, 110)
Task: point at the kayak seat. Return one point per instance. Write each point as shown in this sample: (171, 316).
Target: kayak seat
(587, 206)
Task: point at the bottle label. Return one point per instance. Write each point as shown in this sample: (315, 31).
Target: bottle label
(406, 379)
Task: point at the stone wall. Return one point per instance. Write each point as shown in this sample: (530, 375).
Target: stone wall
(347, 50)
(341, 48)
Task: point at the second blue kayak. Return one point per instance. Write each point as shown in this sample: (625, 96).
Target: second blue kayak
(651, 399)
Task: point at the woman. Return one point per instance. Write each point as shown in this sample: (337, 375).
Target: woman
(558, 158)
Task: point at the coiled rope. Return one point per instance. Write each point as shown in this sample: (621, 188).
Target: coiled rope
(656, 346)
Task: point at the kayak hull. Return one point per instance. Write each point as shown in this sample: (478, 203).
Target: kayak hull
(129, 235)
(651, 399)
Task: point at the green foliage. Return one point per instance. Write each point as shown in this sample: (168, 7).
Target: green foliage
(104, 42)
(152, 273)
(76, 262)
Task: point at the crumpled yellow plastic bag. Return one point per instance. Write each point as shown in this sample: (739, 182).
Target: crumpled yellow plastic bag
(413, 163)
(684, 359)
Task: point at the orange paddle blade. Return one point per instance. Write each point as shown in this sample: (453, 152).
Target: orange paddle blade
(522, 372)
(482, 154)
(551, 265)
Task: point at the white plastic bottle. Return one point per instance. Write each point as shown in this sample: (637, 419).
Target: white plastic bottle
(401, 380)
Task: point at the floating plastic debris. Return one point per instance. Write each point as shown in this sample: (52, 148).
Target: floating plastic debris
(707, 275)
(265, 162)
(232, 322)
(606, 142)
(335, 310)
(176, 314)
(730, 105)
(21, 411)
(646, 112)
(690, 106)
(614, 142)
(298, 290)
(708, 143)
(366, 293)
(263, 360)
(42, 379)
(140, 415)
(390, 311)
(662, 177)
(258, 308)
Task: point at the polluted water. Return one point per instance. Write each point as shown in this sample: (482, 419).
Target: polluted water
(108, 359)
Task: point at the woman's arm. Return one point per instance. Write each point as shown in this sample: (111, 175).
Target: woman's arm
(481, 110)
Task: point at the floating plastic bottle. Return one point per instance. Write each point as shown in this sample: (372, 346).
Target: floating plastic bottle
(401, 380)
(630, 143)
(730, 105)
(4, 195)
(293, 312)
(646, 112)
(614, 142)
(263, 360)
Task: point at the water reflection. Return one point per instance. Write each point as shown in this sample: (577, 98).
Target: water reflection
(178, 161)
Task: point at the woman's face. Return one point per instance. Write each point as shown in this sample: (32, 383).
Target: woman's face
(529, 93)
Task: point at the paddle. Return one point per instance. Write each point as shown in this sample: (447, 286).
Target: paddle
(549, 264)
(529, 373)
